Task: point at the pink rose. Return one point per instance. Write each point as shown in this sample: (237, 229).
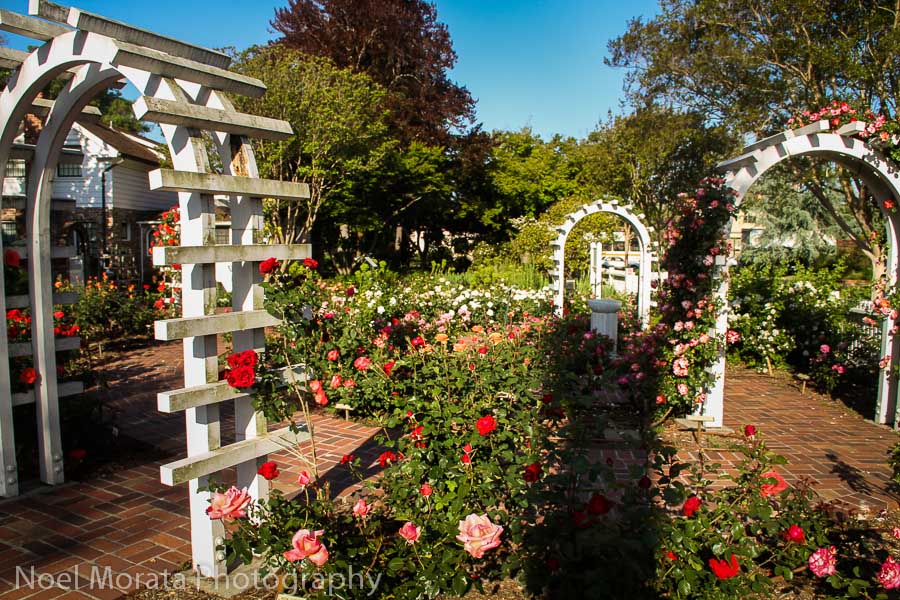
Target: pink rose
(362, 363)
(683, 389)
(824, 348)
(333, 355)
(304, 479)
(230, 505)
(889, 575)
(306, 544)
(823, 561)
(361, 509)
(410, 532)
(478, 535)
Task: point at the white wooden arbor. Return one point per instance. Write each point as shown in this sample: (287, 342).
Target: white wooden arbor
(182, 88)
(557, 275)
(883, 180)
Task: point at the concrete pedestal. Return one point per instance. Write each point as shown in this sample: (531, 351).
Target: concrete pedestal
(605, 319)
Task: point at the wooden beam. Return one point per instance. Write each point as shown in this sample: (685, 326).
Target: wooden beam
(157, 110)
(177, 255)
(42, 107)
(11, 59)
(214, 461)
(852, 128)
(55, 251)
(177, 329)
(65, 298)
(35, 29)
(169, 180)
(219, 391)
(66, 388)
(174, 67)
(63, 344)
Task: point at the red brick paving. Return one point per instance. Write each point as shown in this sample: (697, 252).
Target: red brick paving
(843, 454)
(131, 524)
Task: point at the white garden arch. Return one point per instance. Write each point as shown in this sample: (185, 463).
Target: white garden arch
(558, 274)
(182, 89)
(880, 175)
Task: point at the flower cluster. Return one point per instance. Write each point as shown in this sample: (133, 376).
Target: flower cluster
(242, 369)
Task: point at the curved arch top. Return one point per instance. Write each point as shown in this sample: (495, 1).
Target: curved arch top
(880, 175)
(613, 207)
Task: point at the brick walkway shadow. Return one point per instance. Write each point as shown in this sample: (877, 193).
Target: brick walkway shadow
(109, 531)
(844, 455)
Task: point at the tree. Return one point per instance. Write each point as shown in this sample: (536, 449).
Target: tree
(752, 64)
(400, 44)
(648, 157)
(528, 175)
(340, 133)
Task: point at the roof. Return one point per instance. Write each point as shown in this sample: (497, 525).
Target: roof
(128, 144)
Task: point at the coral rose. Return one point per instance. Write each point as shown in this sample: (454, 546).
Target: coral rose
(306, 544)
(333, 355)
(771, 489)
(230, 505)
(823, 561)
(410, 532)
(478, 535)
(362, 363)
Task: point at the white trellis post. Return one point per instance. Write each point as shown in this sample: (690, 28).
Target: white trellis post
(596, 269)
(882, 178)
(182, 90)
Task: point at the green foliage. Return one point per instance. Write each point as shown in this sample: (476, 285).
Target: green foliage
(802, 320)
(339, 127)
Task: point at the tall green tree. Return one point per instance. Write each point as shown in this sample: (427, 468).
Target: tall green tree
(751, 64)
(340, 130)
(647, 157)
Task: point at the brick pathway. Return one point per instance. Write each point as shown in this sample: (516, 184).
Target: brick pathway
(127, 523)
(843, 454)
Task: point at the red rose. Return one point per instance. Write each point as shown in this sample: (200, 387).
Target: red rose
(268, 266)
(725, 570)
(59, 314)
(671, 555)
(425, 490)
(466, 459)
(362, 363)
(386, 458)
(599, 505)
(644, 483)
(532, 472)
(310, 263)
(333, 355)
(11, 258)
(388, 367)
(240, 377)
(690, 506)
(28, 376)
(351, 291)
(269, 470)
(77, 454)
(486, 424)
(795, 534)
(347, 458)
(417, 342)
(247, 358)
(749, 431)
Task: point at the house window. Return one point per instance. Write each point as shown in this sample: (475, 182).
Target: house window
(68, 170)
(222, 235)
(125, 232)
(15, 168)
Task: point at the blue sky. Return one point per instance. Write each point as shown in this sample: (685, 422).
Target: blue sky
(527, 62)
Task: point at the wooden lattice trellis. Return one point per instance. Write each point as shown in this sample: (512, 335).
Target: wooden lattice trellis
(882, 178)
(183, 90)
